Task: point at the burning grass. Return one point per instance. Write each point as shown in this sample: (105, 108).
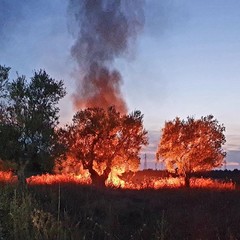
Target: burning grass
(116, 182)
(177, 182)
(7, 177)
(49, 179)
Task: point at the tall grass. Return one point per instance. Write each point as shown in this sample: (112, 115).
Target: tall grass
(72, 211)
(64, 210)
(23, 219)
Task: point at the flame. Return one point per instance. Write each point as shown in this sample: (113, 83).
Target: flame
(115, 181)
(74, 171)
(48, 179)
(7, 177)
(147, 183)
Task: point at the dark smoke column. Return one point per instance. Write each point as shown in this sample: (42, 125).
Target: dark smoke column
(104, 30)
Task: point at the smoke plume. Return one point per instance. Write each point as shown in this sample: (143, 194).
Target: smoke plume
(104, 30)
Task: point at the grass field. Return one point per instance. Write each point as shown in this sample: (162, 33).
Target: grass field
(67, 210)
(70, 211)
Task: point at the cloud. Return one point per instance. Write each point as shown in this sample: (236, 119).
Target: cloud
(233, 164)
(232, 143)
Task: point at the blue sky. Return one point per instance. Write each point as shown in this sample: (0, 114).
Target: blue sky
(185, 62)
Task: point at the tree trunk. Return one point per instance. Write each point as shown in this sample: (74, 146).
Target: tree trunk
(187, 180)
(22, 183)
(98, 180)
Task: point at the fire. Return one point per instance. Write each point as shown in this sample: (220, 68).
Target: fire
(74, 171)
(49, 179)
(7, 177)
(115, 181)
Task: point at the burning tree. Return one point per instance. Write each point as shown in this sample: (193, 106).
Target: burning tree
(28, 119)
(192, 145)
(104, 139)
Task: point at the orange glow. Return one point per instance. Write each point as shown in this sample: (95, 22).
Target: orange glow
(73, 170)
(58, 178)
(7, 177)
(114, 181)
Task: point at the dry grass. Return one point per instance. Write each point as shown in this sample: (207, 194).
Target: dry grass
(212, 184)
(146, 183)
(171, 182)
(7, 177)
(57, 178)
(75, 211)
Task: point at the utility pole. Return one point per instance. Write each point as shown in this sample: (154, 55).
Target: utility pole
(225, 164)
(145, 161)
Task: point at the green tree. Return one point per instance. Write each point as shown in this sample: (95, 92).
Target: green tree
(100, 139)
(192, 145)
(28, 121)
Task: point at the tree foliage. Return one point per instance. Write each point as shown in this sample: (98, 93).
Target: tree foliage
(102, 139)
(28, 119)
(192, 145)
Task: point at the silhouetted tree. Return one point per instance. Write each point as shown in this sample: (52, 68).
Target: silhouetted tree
(28, 119)
(192, 145)
(101, 139)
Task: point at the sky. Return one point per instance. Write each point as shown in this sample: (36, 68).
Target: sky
(185, 61)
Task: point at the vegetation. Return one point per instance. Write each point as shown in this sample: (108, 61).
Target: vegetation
(73, 212)
(23, 218)
(28, 120)
(103, 139)
(192, 145)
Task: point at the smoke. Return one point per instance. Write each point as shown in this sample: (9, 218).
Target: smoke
(104, 30)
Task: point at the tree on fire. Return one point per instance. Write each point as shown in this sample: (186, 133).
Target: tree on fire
(28, 118)
(100, 139)
(192, 145)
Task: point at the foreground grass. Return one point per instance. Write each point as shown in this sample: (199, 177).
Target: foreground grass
(71, 211)
(22, 217)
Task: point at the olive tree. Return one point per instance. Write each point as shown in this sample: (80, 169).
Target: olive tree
(28, 119)
(102, 138)
(192, 145)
